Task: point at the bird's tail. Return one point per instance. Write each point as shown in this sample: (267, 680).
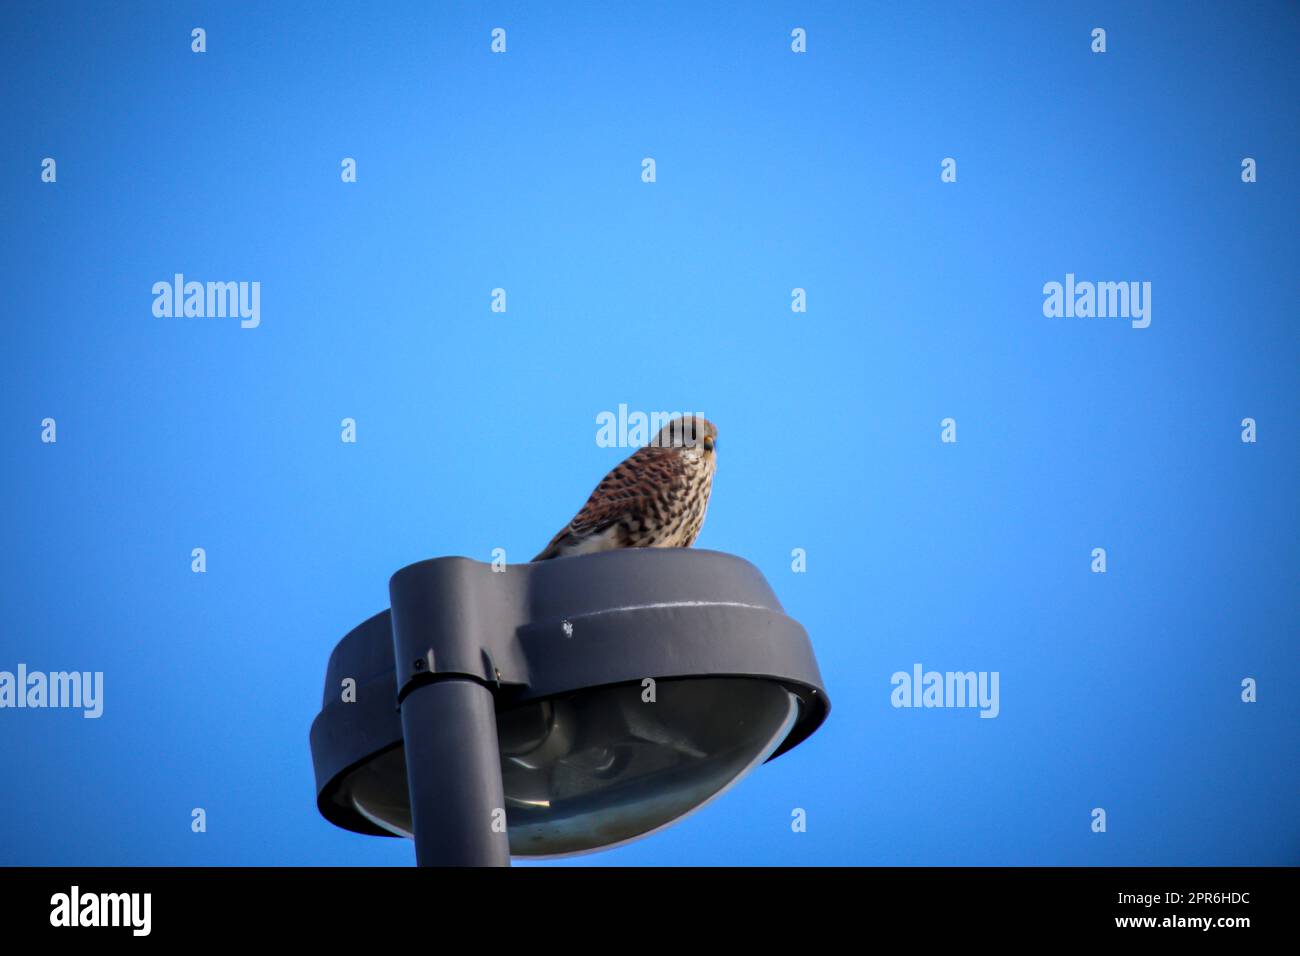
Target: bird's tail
(554, 549)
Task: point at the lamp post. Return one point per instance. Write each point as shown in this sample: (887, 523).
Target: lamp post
(558, 707)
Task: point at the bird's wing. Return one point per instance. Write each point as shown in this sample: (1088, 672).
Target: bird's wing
(599, 513)
(619, 494)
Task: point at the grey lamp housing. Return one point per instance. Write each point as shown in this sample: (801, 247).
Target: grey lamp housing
(558, 707)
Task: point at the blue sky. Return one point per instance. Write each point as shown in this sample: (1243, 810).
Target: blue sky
(476, 430)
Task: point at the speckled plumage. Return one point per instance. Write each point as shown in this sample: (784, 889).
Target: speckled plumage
(656, 498)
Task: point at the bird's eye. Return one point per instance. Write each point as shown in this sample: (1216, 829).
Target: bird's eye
(708, 444)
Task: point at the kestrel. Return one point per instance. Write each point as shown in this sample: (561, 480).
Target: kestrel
(655, 499)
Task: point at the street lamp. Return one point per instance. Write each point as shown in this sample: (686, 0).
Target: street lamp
(558, 707)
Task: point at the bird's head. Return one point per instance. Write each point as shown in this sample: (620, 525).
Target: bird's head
(694, 433)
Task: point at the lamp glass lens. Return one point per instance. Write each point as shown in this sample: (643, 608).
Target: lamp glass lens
(606, 765)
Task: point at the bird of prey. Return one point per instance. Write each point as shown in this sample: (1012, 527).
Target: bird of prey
(655, 499)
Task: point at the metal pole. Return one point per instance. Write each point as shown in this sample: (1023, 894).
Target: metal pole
(453, 770)
(449, 725)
